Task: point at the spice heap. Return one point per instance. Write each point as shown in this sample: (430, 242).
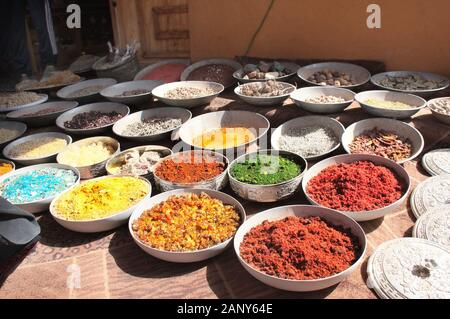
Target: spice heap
(92, 119)
(265, 71)
(167, 73)
(13, 99)
(219, 73)
(135, 163)
(265, 89)
(356, 187)
(184, 93)
(332, 77)
(55, 78)
(392, 105)
(224, 137)
(266, 170)
(101, 198)
(87, 154)
(7, 134)
(325, 99)
(187, 222)
(411, 83)
(190, 167)
(152, 126)
(5, 168)
(441, 106)
(46, 111)
(38, 148)
(37, 185)
(90, 90)
(300, 248)
(134, 92)
(382, 143)
(308, 141)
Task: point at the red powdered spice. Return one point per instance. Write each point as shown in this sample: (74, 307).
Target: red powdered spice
(167, 73)
(355, 187)
(299, 248)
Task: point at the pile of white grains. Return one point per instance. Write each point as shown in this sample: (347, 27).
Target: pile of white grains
(182, 93)
(308, 141)
(325, 99)
(152, 126)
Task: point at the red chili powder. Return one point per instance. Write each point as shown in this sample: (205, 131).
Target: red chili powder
(167, 73)
(356, 187)
(300, 248)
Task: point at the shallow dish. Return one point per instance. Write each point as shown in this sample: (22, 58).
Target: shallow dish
(341, 159)
(98, 225)
(19, 127)
(97, 169)
(141, 74)
(416, 102)
(184, 257)
(112, 93)
(293, 67)
(360, 74)
(199, 64)
(173, 112)
(65, 92)
(161, 91)
(42, 119)
(443, 118)
(400, 128)
(4, 108)
(268, 193)
(279, 213)
(4, 161)
(38, 160)
(103, 107)
(309, 121)
(301, 95)
(43, 204)
(265, 100)
(217, 183)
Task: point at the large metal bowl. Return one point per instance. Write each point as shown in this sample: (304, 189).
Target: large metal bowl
(19, 127)
(38, 160)
(113, 93)
(333, 217)
(161, 91)
(96, 169)
(417, 103)
(444, 118)
(199, 64)
(191, 256)
(265, 100)
(217, 183)
(293, 67)
(65, 92)
(301, 96)
(4, 108)
(172, 112)
(103, 107)
(400, 128)
(340, 159)
(360, 74)
(141, 74)
(43, 204)
(267, 193)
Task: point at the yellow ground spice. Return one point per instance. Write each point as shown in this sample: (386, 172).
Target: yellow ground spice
(5, 168)
(85, 155)
(41, 147)
(187, 222)
(101, 198)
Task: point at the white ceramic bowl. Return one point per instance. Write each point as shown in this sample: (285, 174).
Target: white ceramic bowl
(19, 127)
(400, 128)
(141, 74)
(308, 121)
(43, 119)
(301, 95)
(65, 92)
(103, 107)
(102, 224)
(293, 67)
(280, 213)
(360, 74)
(199, 64)
(43, 99)
(183, 257)
(161, 91)
(443, 118)
(265, 100)
(417, 103)
(37, 160)
(340, 159)
(43, 204)
(113, 93)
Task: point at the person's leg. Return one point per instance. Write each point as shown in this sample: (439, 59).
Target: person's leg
(42, 20)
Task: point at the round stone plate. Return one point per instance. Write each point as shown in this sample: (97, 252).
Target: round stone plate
(433, 192)
(410, 268)
(437, 162)
(434, 226)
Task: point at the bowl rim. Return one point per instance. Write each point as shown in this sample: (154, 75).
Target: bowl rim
(349, 219)
(236, 204)
(237, 90)
(303, 163)
(23, 129)
(368, 158)
(68, 107)
(237, 74)
(54, 214)
(406, 73)
(298, 91)
(164, 98)
(393, 121)
(103, 92)
(82, 84)
(43, 99)
(364, 104)
(430, 104)
(39, 166)
(151, 67)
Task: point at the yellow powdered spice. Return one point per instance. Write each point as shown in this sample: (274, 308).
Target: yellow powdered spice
(41, 147)
(85, 155)
(101, 198)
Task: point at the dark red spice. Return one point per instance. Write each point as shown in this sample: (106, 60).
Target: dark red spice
(219, 73)
(92, 119)
(300, 248)
(167, 73)
(356, 187)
